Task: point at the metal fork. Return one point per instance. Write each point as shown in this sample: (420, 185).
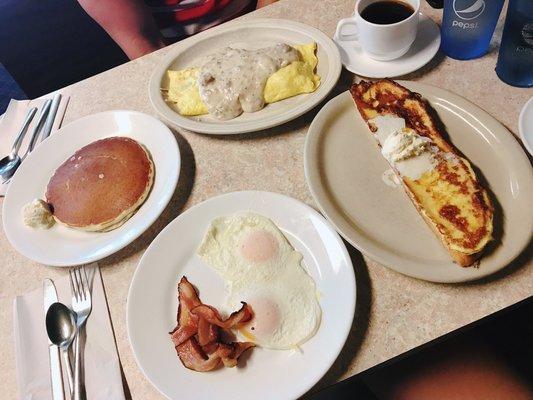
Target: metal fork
(82, 305)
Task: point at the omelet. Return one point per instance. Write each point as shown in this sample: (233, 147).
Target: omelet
(183, 93)
(296, 78)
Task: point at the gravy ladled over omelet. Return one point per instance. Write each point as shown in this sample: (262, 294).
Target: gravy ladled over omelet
(236, 80)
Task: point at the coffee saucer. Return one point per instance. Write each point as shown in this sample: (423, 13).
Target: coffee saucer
(424, 48)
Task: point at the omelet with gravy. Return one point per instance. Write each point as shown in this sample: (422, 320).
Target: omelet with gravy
(182, 92)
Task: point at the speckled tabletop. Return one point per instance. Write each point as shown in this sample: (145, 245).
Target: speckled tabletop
(394, 313)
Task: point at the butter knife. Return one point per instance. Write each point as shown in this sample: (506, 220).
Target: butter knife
(48, 125)
(49, 298)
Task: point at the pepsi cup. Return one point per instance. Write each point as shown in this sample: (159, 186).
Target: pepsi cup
(467, 27)
(515, 59)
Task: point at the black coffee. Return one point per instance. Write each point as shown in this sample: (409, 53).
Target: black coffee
(387, 12)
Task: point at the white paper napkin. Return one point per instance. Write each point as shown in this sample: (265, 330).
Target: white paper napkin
(103, 379)
(12, 121)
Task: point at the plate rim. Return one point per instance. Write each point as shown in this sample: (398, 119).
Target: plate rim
(521, 124)
(331, 227)
(282, 117)
(388, 260)
(163, 201)
(405, 70)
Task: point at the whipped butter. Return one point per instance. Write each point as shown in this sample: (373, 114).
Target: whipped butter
(36, 214)
(405, 144)
(408, 152)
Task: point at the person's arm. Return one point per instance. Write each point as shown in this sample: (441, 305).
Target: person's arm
(263, 3)
(129, 23)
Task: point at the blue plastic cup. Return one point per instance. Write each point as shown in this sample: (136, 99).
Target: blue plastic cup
(515, 59)
(467, 27)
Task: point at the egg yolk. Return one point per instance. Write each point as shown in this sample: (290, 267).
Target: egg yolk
(266, 318)
(258, 246)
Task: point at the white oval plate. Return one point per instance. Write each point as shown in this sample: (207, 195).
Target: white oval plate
(525, 125)
(250, 35)
(266, 374)
(61, 246)
(343, 168)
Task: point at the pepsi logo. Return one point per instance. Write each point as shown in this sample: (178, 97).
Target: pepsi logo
(468, 9)
(527, 33)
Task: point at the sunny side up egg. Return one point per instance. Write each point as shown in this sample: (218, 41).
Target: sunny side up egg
(259, 266)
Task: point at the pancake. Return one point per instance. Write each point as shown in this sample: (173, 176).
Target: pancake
(102, 185)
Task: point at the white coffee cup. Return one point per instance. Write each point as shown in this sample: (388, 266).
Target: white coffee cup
(380, 42)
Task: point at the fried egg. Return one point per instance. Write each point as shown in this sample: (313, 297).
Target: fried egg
(182, 92)
(259, 266)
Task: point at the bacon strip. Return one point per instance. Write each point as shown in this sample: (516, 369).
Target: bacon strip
(188, 299)
(241, 347)
(232, 351)
(197, 335)
(193, 357)
(182, 333)
(211, 315)
(207, 332)
(187, 323)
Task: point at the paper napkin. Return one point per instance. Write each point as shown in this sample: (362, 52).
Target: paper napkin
(12, 120)
(103, 378)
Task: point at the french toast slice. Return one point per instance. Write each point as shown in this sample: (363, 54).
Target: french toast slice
(448, 195)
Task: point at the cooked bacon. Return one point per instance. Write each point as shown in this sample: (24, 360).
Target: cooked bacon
(241, 347)
(224, 352)
(207, 332)
(187, 323)
(182, 333)
(197, 335)
(193, 357)
(210, 348)
(231, 352)
(188, 299)
(211, 315)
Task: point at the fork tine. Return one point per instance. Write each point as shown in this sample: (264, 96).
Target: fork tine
(70, 281)
(81, 290)
(73, 283)
(87, 286)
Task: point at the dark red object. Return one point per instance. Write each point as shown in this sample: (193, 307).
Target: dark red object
(168, 15)
(161, 3)
(197, 336)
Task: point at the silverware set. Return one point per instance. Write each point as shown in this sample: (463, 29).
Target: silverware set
(64, 327)
(44, 124)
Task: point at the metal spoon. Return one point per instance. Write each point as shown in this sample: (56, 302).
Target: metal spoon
(61, 329)
(9, 164)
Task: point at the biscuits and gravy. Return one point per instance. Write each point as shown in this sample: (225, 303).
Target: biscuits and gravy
(235, 80)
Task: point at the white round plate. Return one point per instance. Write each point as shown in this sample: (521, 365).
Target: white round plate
(424, 48)
(525, 125)
(265, 374)
(61, 246)
(344, 168)
(250, 35)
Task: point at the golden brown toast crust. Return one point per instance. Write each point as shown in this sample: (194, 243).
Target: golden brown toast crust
(386, 97)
